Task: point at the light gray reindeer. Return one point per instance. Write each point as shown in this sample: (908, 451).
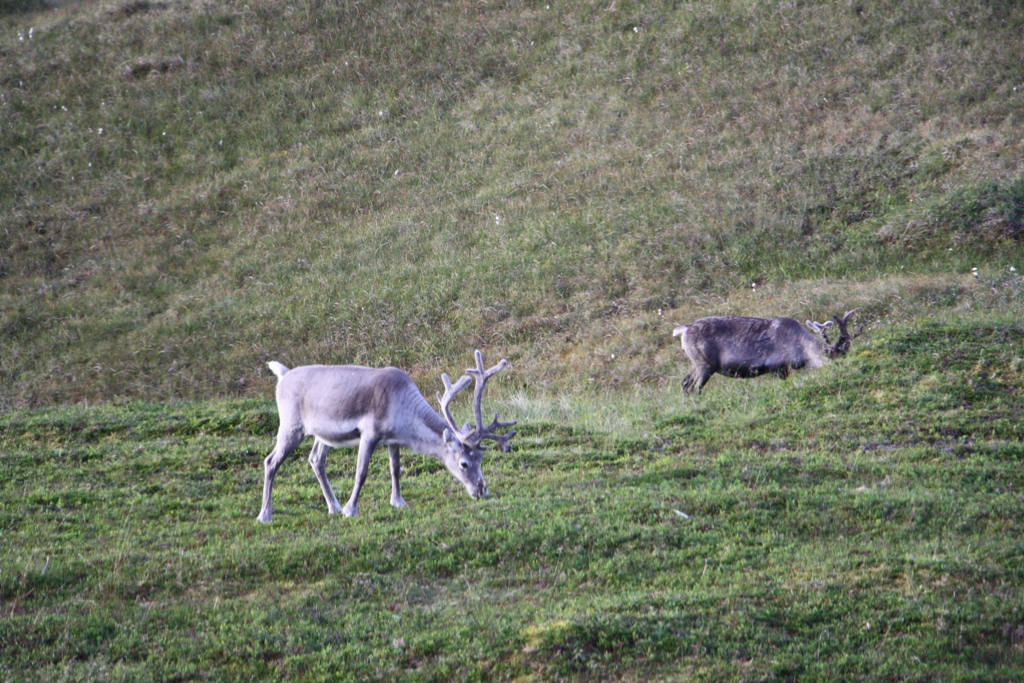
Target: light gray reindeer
(348, 405)
(735, 346)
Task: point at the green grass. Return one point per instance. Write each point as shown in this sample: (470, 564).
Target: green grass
(189, 189)
(861, 522)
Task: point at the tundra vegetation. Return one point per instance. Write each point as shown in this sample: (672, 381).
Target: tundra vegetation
(189, 189)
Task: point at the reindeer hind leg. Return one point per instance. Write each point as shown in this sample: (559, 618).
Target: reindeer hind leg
(287, 439)
(703, 379)
(688, 383)
(697, 378)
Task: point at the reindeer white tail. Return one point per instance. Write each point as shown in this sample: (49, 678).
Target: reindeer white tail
(277, 368)
(679, 330)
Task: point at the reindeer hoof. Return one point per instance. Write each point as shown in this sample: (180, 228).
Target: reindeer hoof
(349, 510)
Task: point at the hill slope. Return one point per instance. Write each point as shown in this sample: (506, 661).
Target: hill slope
(192, 188)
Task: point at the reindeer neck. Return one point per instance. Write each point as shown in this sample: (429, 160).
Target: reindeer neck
(426, 432)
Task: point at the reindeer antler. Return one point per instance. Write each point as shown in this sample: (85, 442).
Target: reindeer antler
(846, 317)
(844, 320)
(501, 439)
(821, 329)
(473, 436)
(842, 344)
(450, 391)
(488, 432)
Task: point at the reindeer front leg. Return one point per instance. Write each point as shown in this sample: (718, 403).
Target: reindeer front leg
(367, 443)
(396, 467)
(318, 461)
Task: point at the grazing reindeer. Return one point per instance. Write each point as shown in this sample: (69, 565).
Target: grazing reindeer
(346, 405)
(747, 347)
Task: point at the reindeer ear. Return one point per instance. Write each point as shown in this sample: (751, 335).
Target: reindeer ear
(450, 438)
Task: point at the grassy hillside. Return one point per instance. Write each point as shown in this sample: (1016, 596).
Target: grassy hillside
(189, 189)
(861, 523)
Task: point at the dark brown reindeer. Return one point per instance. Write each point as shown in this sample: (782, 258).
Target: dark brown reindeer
(349, 405)
(735, 346)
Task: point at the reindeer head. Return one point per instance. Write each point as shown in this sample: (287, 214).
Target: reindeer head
(465, 450)
(842, 344)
